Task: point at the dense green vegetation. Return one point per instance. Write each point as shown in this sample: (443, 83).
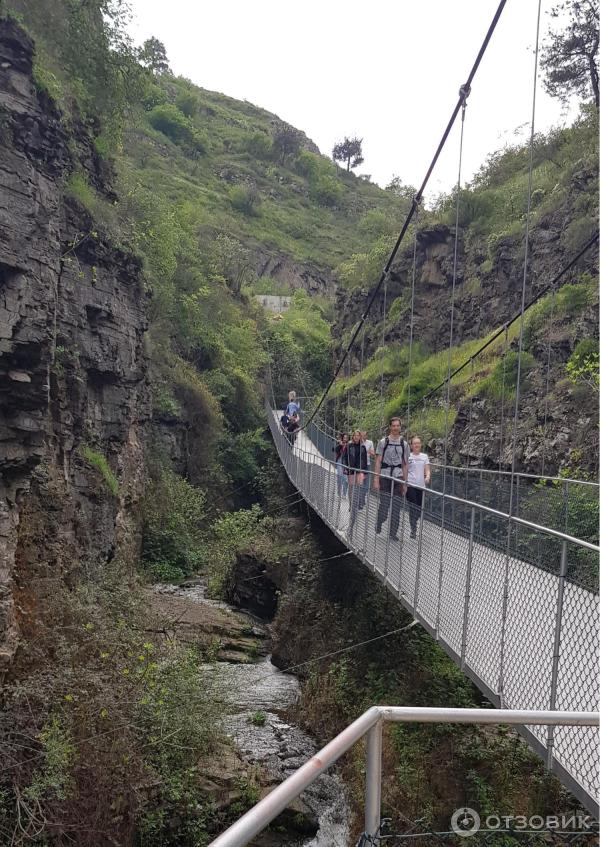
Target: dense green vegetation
(428, 770)
(203, 188)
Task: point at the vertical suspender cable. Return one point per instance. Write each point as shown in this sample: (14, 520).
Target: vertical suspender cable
(520, 353)
(382, 397)
(471, 394)
(348, 424)
(362, 362)
(412, 323)
(548, 358)
(450, 349)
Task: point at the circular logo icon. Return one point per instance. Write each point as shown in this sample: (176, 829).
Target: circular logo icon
(465, 822)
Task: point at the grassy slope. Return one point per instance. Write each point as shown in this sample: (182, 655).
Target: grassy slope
(289, 220)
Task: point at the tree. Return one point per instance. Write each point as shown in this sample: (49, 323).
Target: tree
(570, 56)
(399, 189)
(232, 261)
(349, 151)
(153, 55)
(287, 140)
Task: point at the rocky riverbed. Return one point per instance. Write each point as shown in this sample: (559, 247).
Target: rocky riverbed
(259, 697)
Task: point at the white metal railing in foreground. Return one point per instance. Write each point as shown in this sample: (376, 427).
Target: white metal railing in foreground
(370, 724)
(503, 596)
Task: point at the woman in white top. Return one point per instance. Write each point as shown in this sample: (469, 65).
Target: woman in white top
(419, 473)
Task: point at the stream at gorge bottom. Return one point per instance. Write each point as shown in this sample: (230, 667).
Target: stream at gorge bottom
(258, 697)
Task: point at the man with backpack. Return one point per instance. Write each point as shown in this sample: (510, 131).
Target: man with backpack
(391, 472)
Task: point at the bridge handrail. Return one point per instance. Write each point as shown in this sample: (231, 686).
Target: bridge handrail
(470, 503)
(370, 723)
(323, 427)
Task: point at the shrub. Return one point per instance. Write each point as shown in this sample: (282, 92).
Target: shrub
(259, 145)
(245, 199)
(187, 102)
(258, 719)
(174, 526)
(375, 223)
(503, 378)
(169, 120)
(232, 533)
(309, 164)
(79, 188)
(327, 191)
(573, 298)
(582, 367)
(98, 461)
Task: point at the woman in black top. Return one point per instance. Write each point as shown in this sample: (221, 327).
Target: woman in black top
(355, 465)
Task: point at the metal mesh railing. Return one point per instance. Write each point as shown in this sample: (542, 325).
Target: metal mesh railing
(527, 635)
(566, 505)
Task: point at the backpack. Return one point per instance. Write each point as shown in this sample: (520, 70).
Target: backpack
(403, 447)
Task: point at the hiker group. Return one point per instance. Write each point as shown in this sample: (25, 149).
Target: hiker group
(397, 470)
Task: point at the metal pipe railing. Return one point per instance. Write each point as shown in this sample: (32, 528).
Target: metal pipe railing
(328, 431)
(487, 509)
(370, 724)
(526, 635)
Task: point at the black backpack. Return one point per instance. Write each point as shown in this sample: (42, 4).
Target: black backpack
(403, 447)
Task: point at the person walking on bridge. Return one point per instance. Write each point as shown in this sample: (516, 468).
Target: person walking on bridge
(293, 406)
(355, 464)
(370, 448)
(391, 472)
(419, 473)
(339, 452)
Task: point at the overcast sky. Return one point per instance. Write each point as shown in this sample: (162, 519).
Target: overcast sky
(388, 72)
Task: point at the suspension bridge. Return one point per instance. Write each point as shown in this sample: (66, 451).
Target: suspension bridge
(511, 600)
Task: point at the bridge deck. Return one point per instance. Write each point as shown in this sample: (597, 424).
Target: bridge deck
(454, 583)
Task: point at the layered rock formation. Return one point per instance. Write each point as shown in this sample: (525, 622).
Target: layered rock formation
(73, 393)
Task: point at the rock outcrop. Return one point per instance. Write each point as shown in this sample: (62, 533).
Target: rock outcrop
(73, 393)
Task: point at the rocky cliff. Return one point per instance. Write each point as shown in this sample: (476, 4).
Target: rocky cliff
(73, 392)
(487, 294)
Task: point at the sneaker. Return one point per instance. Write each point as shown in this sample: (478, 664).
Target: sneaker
(394, 538)
(378, 530)
(413, 533)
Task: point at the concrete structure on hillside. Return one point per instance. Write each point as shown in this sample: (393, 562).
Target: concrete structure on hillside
(274, 303)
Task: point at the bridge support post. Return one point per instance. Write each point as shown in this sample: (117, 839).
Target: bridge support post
(465, 631)
(373, 780)
(556, 650)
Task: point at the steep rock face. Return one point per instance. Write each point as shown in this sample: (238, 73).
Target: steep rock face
(313, 279)
(73, 394)
(484, 298)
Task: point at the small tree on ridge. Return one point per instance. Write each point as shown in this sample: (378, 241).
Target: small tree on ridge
(349, 151)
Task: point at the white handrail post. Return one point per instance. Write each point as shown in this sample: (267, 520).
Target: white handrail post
(373, 780)
(556, 650)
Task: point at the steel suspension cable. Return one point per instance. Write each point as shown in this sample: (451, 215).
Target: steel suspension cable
(450, 350)
(463, 94)
(519, 359)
